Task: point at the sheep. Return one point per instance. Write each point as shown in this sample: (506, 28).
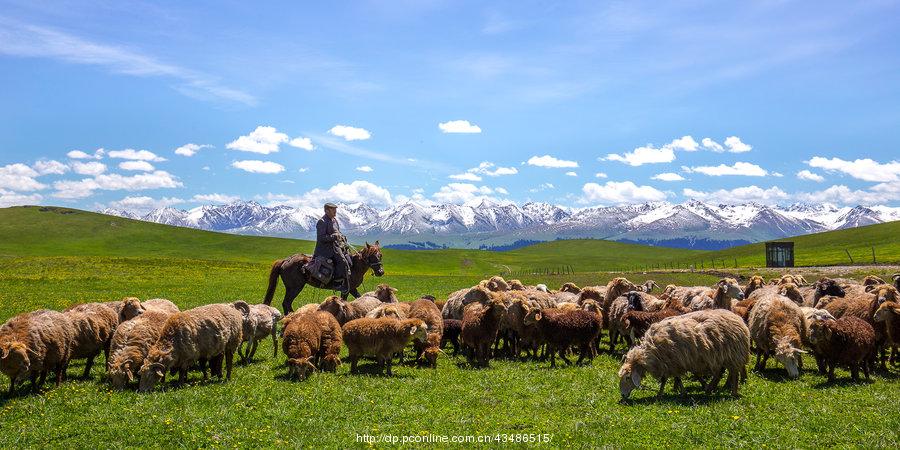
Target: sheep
(34, 343)
(668, 291)
(863, 306)
(560, 297)
(635, 323)
(700, 297)
(562, 329)
(516, 335)
(516, 285)
(495, 284)
(634, 300)
(755, 283)
(889, 313)
(130, 344)
(381, 338)
(94, 325)
(264, 322)
(846, 341)
(427, 350)
(457, 301)
(742, 308)
(872, 280)
(778, 327)
(813, 315)
(328, 359)
(345, 311)
(132, 307)
(541, 287)
(312, 340)
(399, 311)
(480, 325)
(451, 330)
(788, 290)
(648, 286)
(384, 293)
(616, 287)
(595, 293)
(570, 287)
(704, 343)
(208, 332)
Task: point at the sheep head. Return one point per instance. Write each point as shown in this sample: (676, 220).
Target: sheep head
(755, 283)
(885, 293)
(541, 287)
(338, 308)
(417, 329)
(430, 355)
(896, 279)
(731, 288)
(14, 359)
(885, 310)
(516, 285)
(121, 374)
(648, 286)
(790, 291)
(300, 368)
(570, 287)
(385, 293)
(330, 363)
(533, 316)
(131, 308)
(827, 286)
(591, 306)
(872, 280)
(154, 369)
(631, 372)
(789, 356)
(619, 286)
(495, 284)
(634, 301)
(590, 293)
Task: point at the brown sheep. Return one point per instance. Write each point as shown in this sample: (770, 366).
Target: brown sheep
(457, 301)
(345, 311)
(863, 306)
(889, 314)
(512, 329)
(635, 300)
(381, 338)
(616, 287)
(846, 341)
(130, 344)
(700, 297)
(516, 285)
(94, 325)
(778, 327)
(480, 325)
(635, 324)
(34, 343)
(427, 312)
(399, 311)
(755, 283)
(495, 284)
(328, 358)
(210, 333)
(132, 307)
(563, 329)
(743, 308)
(570, 287)
(384, 293)
(872, 280)
(824, 287)
(310, 341)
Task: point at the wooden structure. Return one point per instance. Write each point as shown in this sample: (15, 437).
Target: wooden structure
(779, 254)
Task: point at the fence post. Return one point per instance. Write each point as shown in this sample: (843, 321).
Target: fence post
(848, 255)
(873, 255)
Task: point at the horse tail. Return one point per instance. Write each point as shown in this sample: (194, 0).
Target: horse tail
(273, 281)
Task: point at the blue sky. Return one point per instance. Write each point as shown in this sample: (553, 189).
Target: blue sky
(576, 103)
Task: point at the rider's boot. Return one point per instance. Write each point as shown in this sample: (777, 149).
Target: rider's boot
(344, 288)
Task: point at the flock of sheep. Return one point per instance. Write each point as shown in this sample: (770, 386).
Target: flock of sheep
(699, 331)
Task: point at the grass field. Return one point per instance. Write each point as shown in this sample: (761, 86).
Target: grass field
(47, 262)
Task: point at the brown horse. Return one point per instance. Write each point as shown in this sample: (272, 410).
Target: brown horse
(294, 278)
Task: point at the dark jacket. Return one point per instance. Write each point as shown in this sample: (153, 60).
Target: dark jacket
(327, 231)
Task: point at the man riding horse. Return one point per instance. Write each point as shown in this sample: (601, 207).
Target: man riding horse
(331, 244)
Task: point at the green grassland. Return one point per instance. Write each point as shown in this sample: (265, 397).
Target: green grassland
(53, 258)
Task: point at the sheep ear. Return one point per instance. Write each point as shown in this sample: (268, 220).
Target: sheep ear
(367, 244)
(635, 378)
(160, 373)
(870, 288)
(412, 330)
(130, 376)
(537, 316)
(799, 350)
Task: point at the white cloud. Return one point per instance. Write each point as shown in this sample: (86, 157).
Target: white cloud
(88, 168)
(550, 162)
(777, 174)
(644, 155)
(138, 155)
(735, 145)
(466, 176)
(215, 198)
(358, 191)
(9, 198)
(143, 166)
(668, 176)
(542, 187)
(712, 145)
(460, 193)
(144, 204)
(206, 168)
(601, 175)
(810, 176)
(112, 182)
(78, 154)
(571, 174)
(739, 195)
(190, 149)
(738, 168)
(350, 133)
(861, 169)
(263, 140)
(685, 143)
(485, 168)
(19, 177)
(51, 167)
(302, 142)
(616, 192)
(256, 166)
(843, 195)
(303, 169)
(364, 169)
(459, 126)
(501, 191)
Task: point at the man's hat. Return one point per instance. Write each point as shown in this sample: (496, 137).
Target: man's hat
(330, 205)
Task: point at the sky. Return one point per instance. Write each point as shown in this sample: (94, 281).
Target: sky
(138, 105)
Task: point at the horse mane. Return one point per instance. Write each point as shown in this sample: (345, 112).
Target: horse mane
(367, 251)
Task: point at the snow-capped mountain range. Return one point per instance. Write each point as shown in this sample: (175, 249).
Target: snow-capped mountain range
(692, 224)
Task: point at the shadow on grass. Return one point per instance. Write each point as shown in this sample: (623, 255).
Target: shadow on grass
(689, 398)
(843, 382)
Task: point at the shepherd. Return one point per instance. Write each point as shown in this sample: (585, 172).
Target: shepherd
(332, 265)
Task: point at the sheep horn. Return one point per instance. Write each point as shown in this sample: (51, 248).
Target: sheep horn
(896, 277)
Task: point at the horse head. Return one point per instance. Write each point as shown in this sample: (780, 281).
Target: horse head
(371, 256)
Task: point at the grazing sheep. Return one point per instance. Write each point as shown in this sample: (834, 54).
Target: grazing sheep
(208, 332)
(889, 314)
(847, 341)
(428, 349)
(94, 325)
(778, 328)
(648, 286)
(705, 343)
(384, 293)
(863, 305)
(130, 344)
(328, 359)
(480, 325)
(813, 315)
(458, 300)
(132, 307)
(756, 282)
(452, 329)
(34, 343)
(264, 322)
(563, 329)
(635, 300)
(381, 338)
(570, 287)
(399, 311)
(872, 280)
(345, 311)
(312, 340)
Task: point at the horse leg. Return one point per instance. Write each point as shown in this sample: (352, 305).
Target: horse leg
(289, 295)
(354, 292)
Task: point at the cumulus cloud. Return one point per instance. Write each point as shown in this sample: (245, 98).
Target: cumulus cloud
(263, 140)
(843, 195)
(501, 191)
(649, 154)
(735, 145)
(810, 176)
(9, 198)
(618, 192)
(358, 191)
(460, 193)
(601, 175)
(144, 204)
(685, 143)
(256, 166)
(88, 168)
(350, 133)
(72, 189)
(484, 168)
(571, 174)
(78, 154)
(220, 199)
(137, 155)
(542, 187)
(364, 169)
(304, 143)
(710, 144)
(459, 126)
(550, 162)
(668, 176)
(190, 149)
(738, 195)
(19, 177)
(143, 166)
(466, 176)
(50, 167)
(738, 168)
(861, 169)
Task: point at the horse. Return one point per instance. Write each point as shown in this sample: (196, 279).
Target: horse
(294, 278)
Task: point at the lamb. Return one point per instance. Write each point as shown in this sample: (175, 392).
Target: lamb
(778, 327)
(94, 325)
(384, 293)
(130, 344)
(705, 343)
(428, 349)
(208, 333)
(399, 311)
(889, 313)
(846, 341)
(458, 300)
(263, 321)
(381, 338)
(635, 300)
(132, 307)
(480, 325)
(451, 331)
(345, 311)
(756, 282)
(312, 340)
(34, 343)
(562, 329)
(824, 287)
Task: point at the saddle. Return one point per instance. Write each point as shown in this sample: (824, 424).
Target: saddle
(322, 269)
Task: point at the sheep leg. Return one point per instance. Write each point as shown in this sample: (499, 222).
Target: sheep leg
(253, 350)
(865, 368)
(820, 363)
(678, 385)
(831, 371)
(87, 366)
(733, 381)
(229, 361)
(60, 373)
(182, 376)
(662, 387)
(714, 382)
(854, 372)
(613, 339)
(353, 359)
(202, 364)
(274, 342)
(562, 354)
(12, 386)
(389, 363)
